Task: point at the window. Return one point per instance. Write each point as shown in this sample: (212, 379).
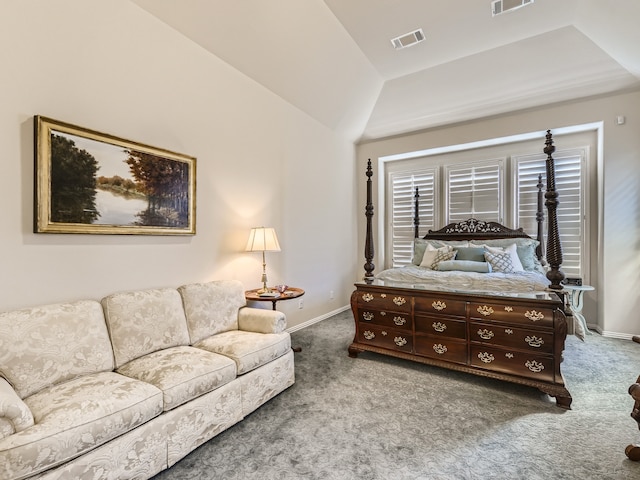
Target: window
(474, 191)
(570, 185)
(402, 190)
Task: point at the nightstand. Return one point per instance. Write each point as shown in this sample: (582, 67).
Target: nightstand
(576, 293)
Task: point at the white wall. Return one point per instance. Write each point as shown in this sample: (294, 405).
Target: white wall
(613, 307)
(112, 67)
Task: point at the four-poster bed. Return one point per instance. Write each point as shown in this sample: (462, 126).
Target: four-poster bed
(508, 324)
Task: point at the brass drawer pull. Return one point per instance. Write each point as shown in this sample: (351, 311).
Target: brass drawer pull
(368, 316)
(440, 349)
(534, 341)
(533, 315)
(534, 366)
(485, 334)
(369, 335)
(439, 305)
(485, 310)
(439, 326)
(399, 320)
(486, 357)
(367, 297)
(401, 342)
(399, 301)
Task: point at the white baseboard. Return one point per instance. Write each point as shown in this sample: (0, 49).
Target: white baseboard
(605, 333)
(310, 322)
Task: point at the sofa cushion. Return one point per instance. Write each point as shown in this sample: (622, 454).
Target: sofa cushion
(144, 321)
(74, 417)
(182, 373)
(46, 345)
(248, 349)
(212, 307)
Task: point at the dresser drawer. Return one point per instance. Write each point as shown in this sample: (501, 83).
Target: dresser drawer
(441, 348)
(383, 301)
(385, 337)
(524, 339)
(440, 305)
(442, 327)
(400, 320)
(512, 313)
(524, 364)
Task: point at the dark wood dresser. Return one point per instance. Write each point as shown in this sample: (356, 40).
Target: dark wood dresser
(516, 337)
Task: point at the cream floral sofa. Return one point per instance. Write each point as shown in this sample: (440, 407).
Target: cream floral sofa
(126, 387)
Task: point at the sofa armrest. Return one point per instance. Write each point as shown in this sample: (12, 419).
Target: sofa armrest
(261, 321)
(12, 409)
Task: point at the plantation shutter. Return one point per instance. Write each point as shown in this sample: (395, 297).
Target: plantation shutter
(569, 168)
(403, 188)
(474, 191)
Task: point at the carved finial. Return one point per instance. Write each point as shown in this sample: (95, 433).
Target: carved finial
(549, 148)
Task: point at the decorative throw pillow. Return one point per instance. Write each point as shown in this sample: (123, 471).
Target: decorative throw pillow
(500, 262)
(525, 248)
(442, 257)
(430, 254)
(512, 251)
(420, 245)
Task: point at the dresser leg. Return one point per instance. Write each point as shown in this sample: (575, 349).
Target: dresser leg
(353, 352)
(564, 402)
(633, 452)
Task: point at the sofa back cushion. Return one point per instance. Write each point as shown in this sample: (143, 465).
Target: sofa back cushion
(212, 307)
(47, 345)
(144, 321)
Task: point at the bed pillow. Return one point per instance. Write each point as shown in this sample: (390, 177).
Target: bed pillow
(420, 245)
(473, 254)
(432, 256)
(464, 266)
(500, 262)
(512, 250)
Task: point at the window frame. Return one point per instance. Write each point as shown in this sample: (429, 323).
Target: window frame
(509, 191)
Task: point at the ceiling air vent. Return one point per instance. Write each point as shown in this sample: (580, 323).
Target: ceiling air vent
(499, 7)
(408, 39)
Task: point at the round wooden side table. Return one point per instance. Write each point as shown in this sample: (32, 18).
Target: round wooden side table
(288, 294)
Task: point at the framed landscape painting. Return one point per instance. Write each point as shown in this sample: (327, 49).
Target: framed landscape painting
(91, 182)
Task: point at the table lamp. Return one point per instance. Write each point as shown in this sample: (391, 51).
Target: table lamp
(263, 239)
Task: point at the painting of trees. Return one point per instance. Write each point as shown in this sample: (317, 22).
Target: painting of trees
(91, 182)
(165, 182)
(73, 182)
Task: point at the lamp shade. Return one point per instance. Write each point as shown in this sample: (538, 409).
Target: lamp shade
(263, 239)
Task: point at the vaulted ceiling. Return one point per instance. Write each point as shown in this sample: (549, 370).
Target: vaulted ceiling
(333, 59)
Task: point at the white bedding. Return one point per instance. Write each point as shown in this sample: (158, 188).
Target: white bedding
(524, 281)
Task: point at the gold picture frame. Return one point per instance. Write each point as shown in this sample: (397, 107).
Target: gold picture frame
(91, 182)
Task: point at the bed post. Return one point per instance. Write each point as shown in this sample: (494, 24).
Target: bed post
(554, 249)
(368, 243)
(416, 215)
(540, 221)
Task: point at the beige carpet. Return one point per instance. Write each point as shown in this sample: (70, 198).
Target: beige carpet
(379, 418)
